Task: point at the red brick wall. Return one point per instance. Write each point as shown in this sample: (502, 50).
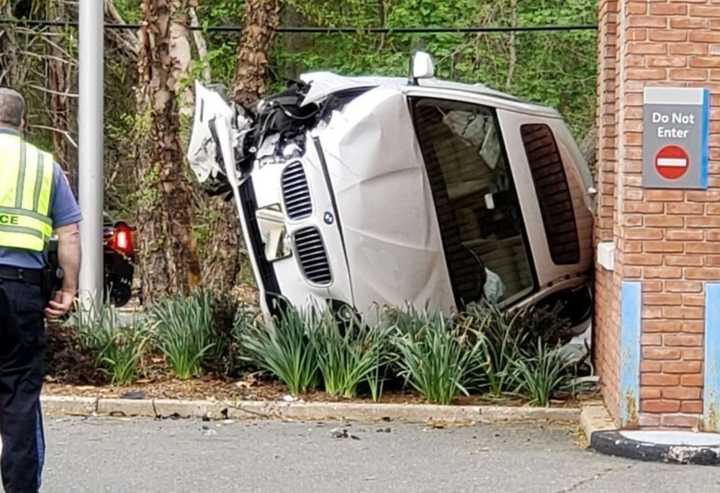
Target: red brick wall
(667, 239)
(606, 322)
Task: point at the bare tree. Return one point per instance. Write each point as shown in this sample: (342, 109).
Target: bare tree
(167, 254)
(223, 260)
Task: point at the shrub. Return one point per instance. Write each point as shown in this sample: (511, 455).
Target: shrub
(545, 323)
(284, 349)
(410, 320)
(246, 317)
(439, 360)
(117, 349)
(230, 319)
(503, 338)
(183, 330)
(542, 374)
(348, 354)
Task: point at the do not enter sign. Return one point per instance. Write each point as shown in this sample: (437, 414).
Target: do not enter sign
(676, 137)
(672, 162)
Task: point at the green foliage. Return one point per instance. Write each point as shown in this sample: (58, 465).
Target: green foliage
(222, 48)
(521, 351)
(348, 354)
(482, 350)
(284, 348)
(129, 9)
(542, 374)
(554, 68)
(183, 330)
(440, 361)
(117, 349)
(231, 321)
(503, 339)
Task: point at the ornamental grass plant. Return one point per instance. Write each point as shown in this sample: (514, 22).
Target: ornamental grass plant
(284, 348)
(348, 354)
(117, 348)
(542, 374)
(483, 350)
(438, 359)
(183, 332)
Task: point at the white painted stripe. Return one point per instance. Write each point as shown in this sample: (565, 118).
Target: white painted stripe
(674, 95)
(672, 162)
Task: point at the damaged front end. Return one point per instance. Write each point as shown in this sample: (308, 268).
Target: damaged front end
(358, 193)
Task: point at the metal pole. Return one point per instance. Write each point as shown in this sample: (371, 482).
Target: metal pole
(90, 168)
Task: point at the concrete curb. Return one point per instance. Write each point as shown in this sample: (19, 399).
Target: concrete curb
(595, 418)
(614, 443)
(604, 437)
(300, 411)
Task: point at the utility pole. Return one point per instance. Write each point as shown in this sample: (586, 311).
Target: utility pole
(90, 168)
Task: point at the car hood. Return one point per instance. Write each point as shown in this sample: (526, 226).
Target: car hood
(393, 261)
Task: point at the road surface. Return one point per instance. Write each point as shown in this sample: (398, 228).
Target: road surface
(122, 455)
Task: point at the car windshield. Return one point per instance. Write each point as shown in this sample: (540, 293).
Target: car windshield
(477, 207)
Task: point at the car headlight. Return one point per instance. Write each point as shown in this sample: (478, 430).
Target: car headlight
(271, 222)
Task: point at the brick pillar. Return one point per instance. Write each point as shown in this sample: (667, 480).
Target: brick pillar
(665, 242)
(606, 323)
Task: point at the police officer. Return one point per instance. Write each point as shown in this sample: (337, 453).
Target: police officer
(35, 200)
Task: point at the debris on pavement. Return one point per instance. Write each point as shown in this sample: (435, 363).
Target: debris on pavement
(207, 431)
(342, 433)
(133, 395)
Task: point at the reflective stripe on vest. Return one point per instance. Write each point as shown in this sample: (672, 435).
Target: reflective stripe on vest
(25, 191)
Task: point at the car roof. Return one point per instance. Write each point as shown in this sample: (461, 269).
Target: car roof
(323, 84)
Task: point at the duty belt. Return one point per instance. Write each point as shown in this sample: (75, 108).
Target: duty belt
(30, 276)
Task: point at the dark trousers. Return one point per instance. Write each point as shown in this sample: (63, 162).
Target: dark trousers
(22, 348)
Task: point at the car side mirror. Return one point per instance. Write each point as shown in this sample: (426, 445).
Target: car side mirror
(421, 67)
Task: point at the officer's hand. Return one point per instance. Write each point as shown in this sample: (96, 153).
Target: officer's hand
(60, 305)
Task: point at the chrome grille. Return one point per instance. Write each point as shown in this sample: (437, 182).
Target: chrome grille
(312, 255)
(296, 192)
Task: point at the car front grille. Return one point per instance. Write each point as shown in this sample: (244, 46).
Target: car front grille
(313, 256)
(296, 192)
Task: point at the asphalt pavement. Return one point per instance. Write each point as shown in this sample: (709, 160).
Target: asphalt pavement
(123, 455)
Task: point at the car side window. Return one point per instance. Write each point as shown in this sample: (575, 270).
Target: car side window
(475, 199)
(553, 194)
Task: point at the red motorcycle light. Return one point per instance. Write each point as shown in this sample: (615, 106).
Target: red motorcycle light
(122, 240)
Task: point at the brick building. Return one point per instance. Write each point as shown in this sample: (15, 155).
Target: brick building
(656, 300)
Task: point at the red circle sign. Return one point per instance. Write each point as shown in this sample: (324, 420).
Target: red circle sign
(672, 162)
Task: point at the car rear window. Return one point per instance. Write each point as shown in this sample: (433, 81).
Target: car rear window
(553, 193)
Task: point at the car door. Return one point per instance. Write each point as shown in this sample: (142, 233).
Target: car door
(554, 195)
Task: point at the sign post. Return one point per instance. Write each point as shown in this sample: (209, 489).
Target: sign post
(90, 166)
(676, 137)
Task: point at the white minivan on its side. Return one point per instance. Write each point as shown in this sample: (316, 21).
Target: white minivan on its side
(359, 192)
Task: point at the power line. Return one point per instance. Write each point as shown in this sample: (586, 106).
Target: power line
(331, 30)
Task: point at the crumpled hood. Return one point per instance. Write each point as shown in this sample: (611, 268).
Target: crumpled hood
(394, 248)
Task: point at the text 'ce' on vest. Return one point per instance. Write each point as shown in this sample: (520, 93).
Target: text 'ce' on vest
(25, 189)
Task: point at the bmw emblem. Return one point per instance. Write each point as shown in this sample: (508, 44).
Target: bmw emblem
(329, 218)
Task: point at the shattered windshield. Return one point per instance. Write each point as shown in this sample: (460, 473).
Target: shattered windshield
(477, 207)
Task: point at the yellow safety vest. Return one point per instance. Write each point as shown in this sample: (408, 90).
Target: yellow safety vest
(26, 181)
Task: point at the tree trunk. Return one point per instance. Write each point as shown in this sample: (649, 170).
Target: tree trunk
(513, 46)
(222, 259)
(168, 258)
(262, 18)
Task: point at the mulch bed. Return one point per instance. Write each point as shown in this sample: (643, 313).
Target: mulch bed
(257, 387)
(72, 373)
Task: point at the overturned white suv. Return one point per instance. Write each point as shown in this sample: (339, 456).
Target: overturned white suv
(368, 191)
